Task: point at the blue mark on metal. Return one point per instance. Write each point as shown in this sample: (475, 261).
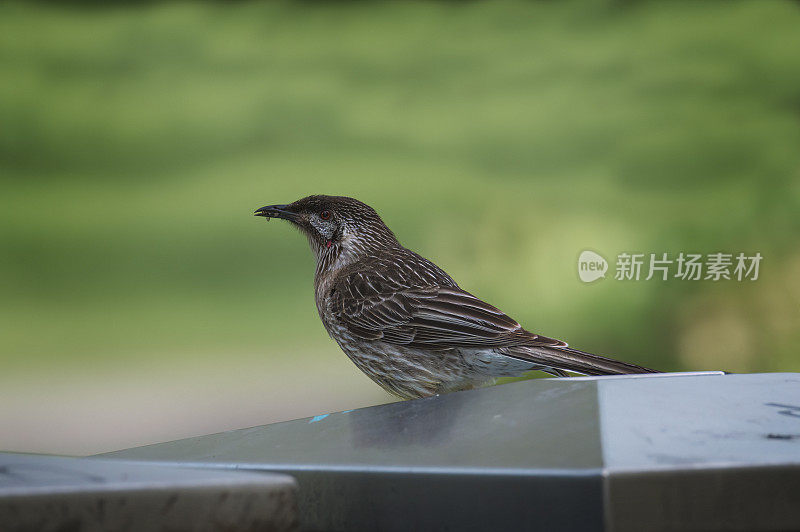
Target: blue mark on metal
(318, 418)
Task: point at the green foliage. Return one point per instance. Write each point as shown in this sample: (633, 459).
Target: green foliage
(498, 138)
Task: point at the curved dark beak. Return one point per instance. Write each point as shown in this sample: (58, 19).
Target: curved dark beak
(276, 211)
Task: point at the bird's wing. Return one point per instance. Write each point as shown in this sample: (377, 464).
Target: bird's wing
(373, 307)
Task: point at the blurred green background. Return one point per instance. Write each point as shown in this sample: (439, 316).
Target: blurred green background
(141, 301)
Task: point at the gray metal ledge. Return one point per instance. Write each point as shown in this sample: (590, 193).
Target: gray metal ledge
(662, 452)
(50, 493)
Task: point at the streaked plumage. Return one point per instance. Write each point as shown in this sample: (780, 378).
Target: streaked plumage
(403, 321)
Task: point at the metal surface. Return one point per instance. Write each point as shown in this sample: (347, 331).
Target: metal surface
(620, 453)
(731, 420)
(468, 461)
(41, 493)
(506, 427)
(702, 453)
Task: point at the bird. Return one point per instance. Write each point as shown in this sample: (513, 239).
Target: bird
(406, 323)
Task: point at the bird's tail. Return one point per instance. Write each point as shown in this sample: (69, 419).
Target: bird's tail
(568, 359)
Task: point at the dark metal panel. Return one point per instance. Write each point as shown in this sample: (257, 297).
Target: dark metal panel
(747, 499)
(367, 501)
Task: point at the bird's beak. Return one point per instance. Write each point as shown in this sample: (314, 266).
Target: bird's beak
(276, 211)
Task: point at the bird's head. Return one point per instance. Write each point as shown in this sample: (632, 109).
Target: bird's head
(339, 229)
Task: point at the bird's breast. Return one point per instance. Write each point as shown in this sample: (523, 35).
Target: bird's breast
(323, 284)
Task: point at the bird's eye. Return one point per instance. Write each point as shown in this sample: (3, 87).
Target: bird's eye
(325, 215)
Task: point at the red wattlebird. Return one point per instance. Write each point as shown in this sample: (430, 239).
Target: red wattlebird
(403, 321)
